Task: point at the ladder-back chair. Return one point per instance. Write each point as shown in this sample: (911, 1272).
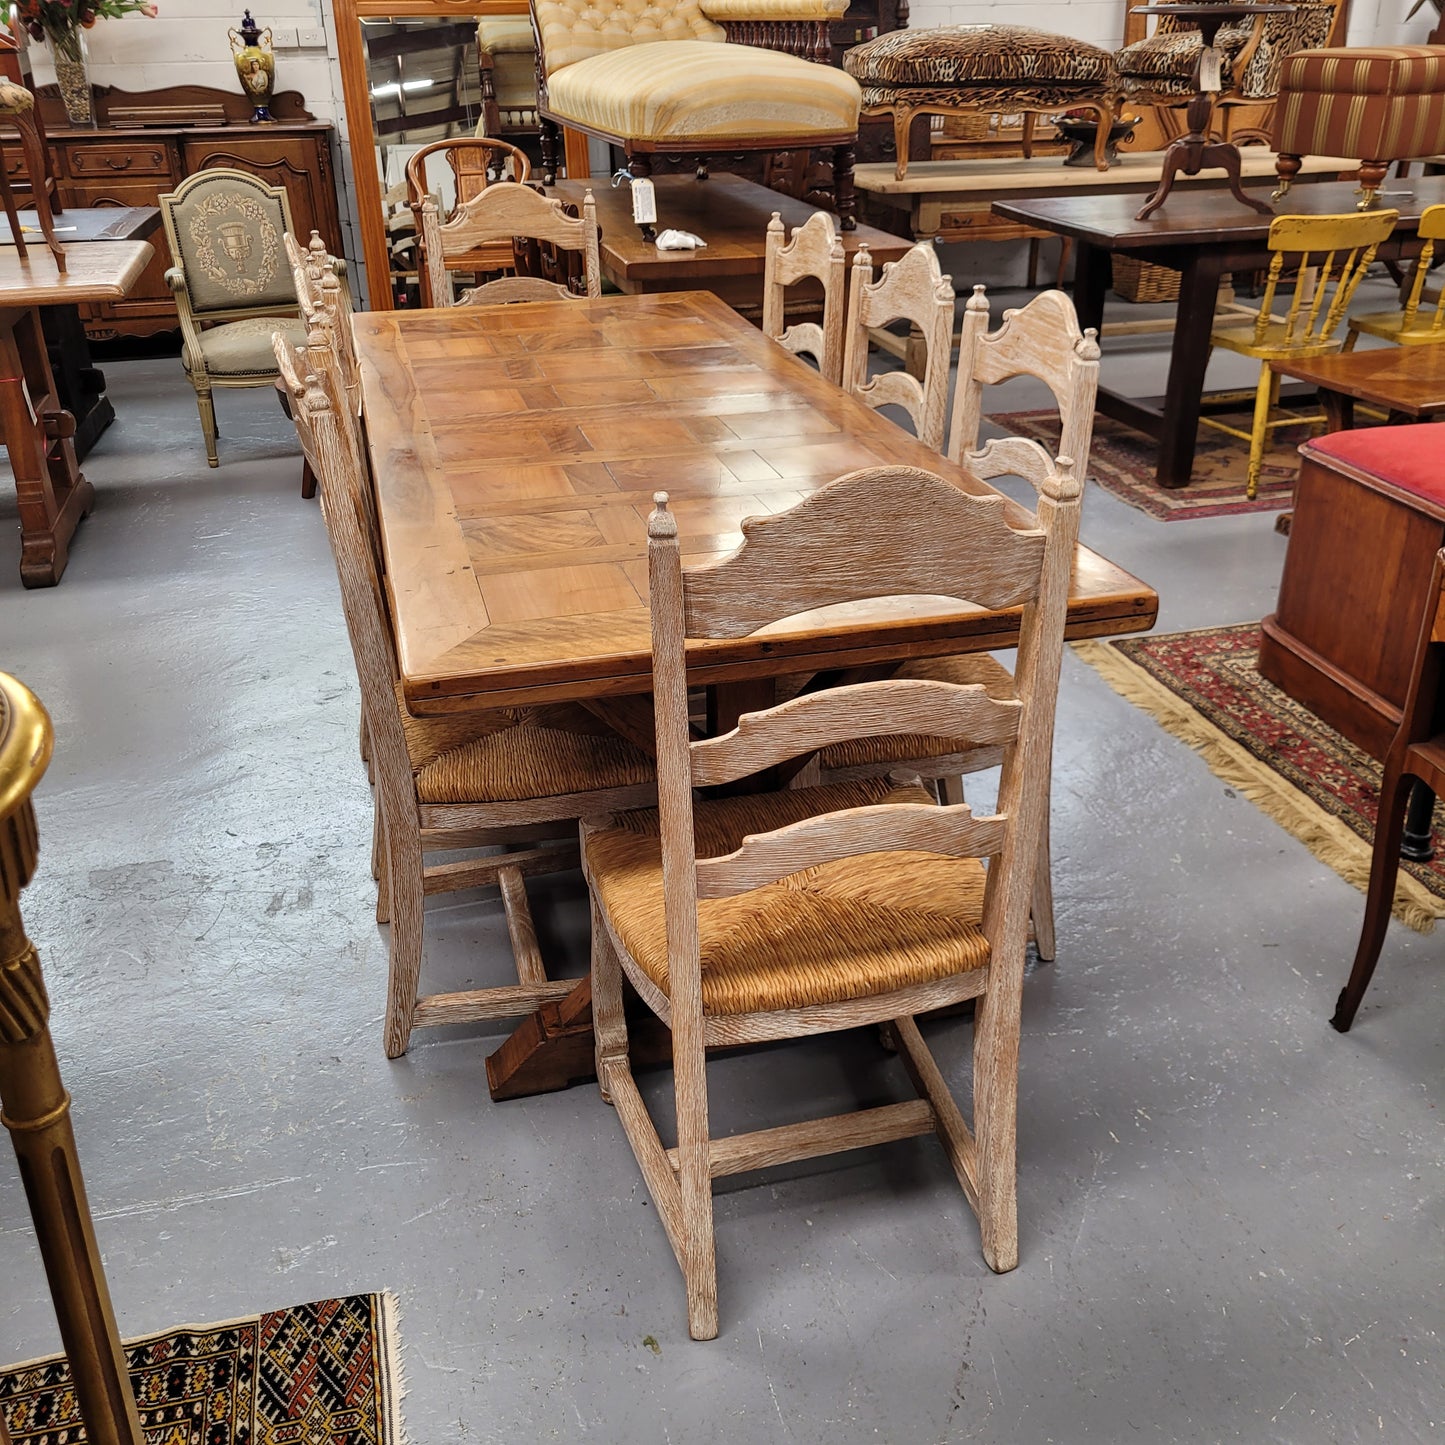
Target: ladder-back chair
(1328, 257)
(1407, 327)
(912, 289)
(462, 781)
(815, 252)
(804, 911)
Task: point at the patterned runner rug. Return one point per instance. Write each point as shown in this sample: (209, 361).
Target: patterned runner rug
(1205, 689)
(326, 1373)
(1122, 462)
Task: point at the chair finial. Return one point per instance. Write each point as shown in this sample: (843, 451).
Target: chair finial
(1086, 348)
(1061, 485)
(979, 300)
(776, 224)
(661, 523)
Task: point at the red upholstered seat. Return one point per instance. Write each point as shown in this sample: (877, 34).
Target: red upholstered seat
(1411, 458)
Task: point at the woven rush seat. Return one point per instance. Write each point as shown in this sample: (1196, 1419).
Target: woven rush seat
(848, 929)
(660, 89)
(976, 667)
(959, 69)
(510, 754)
(1162, 64)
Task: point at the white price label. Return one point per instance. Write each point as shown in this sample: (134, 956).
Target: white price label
(1209, 67)
(644, 201)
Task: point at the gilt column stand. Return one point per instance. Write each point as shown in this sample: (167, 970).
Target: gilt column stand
(35, 1108)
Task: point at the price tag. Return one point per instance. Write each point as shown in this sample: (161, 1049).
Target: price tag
(1209, 68)
(644, 201)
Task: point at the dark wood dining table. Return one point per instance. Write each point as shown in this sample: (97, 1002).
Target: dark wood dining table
(1203, 236)
(516, 452)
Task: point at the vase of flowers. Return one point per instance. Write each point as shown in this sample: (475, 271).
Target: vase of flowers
(64, 23)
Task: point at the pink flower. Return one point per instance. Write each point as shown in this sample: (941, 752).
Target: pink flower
(150, 11)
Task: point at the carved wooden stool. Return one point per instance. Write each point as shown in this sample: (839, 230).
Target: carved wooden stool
(17, 108)
(35, 1108)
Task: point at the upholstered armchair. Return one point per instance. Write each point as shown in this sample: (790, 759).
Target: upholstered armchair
(1158, 69)
(667, 81)
(231, 281)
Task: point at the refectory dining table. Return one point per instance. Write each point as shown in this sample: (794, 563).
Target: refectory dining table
(516, 451)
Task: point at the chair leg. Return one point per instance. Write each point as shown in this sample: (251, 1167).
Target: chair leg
(950, 791)
(995, 1116)
(1259, 433)
(206, 405)
(406, 902)
(308, 481)
(1042, 903)
(699, 1261)
(1379, 900)
(609, 1022)
(383, 872)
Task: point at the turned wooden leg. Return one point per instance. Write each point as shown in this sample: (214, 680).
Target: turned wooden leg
(551, 137)
(36, 1109)
(1286, 167)
(1372, 177)
(844, 197)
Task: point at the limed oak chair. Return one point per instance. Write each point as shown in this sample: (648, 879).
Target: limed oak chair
(1327, 257)
(231, 282)
(912, 289)
(1042, 340)
(786, 914)
(462, 781)
(814, 252)
(1416, 751)
(508, 211)
(1407, 327)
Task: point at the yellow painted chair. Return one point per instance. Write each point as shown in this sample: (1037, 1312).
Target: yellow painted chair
(1328, 257)
(1405, 327)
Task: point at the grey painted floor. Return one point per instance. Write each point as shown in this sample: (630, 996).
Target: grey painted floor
(1231, 1217)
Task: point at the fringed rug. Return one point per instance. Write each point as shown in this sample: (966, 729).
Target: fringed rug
(1122, 462)
(326, 1373)
(1204, 688)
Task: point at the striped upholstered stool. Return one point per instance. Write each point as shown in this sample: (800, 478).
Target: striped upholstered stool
(1382, 103)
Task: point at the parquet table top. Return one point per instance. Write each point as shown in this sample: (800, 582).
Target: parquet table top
(516, 451)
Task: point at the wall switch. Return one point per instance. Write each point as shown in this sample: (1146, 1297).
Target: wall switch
(312, 37)
(283, 37)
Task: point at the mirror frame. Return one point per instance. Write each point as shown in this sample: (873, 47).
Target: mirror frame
(356, 96)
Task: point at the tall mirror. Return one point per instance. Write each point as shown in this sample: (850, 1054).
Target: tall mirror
(412, 74)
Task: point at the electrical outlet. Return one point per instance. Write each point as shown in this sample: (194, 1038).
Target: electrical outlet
(283, 37)
(312, 38)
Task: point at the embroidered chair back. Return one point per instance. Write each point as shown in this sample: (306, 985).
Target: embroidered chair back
(1041, 340)
(814, 252)
(912, 289)
(225, 229)
(1330, 255)
(505, 211)
(882, 532)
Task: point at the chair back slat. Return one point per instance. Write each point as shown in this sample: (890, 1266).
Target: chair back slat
(814, 252)
(763, 858)
(912, 289)
(506, 290)
(916, 707)
(1041, 340)
(504, 211)
(901, 541)
(1329, 255)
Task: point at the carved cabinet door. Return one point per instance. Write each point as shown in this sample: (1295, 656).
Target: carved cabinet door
(301, 163)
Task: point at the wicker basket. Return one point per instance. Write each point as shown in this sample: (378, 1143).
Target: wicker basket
(965, 127)
(1137, 280)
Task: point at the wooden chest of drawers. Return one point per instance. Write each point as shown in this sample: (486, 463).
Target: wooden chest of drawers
(132, 165)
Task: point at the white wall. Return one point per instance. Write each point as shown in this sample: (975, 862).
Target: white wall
(187, 45)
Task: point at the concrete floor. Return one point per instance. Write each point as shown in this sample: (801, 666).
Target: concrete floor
(1231, 1216)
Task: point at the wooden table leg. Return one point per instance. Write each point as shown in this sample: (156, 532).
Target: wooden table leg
(36, 1110)
(1093, 272)
(1339, 410)
(53, 494)
(1188, 361)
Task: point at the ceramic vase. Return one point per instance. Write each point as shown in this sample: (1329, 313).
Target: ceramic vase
(256, 66)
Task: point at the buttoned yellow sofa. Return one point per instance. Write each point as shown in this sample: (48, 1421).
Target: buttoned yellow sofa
(669, 79)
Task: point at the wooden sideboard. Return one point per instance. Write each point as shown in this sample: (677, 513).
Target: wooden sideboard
(131, 162)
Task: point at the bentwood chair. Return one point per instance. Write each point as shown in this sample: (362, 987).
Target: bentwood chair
(912, 289)
(463, 781)
(786, 914)
(815, 252)
(1042, 340)
(1417, 751)
(1407, 327)
(1328, 257)
(231, 282)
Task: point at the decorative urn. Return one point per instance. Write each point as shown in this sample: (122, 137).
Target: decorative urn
(256, 65)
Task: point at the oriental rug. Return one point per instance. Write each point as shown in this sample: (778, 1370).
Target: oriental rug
(325, 1373)
(1121, 461)
(1205, 689)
